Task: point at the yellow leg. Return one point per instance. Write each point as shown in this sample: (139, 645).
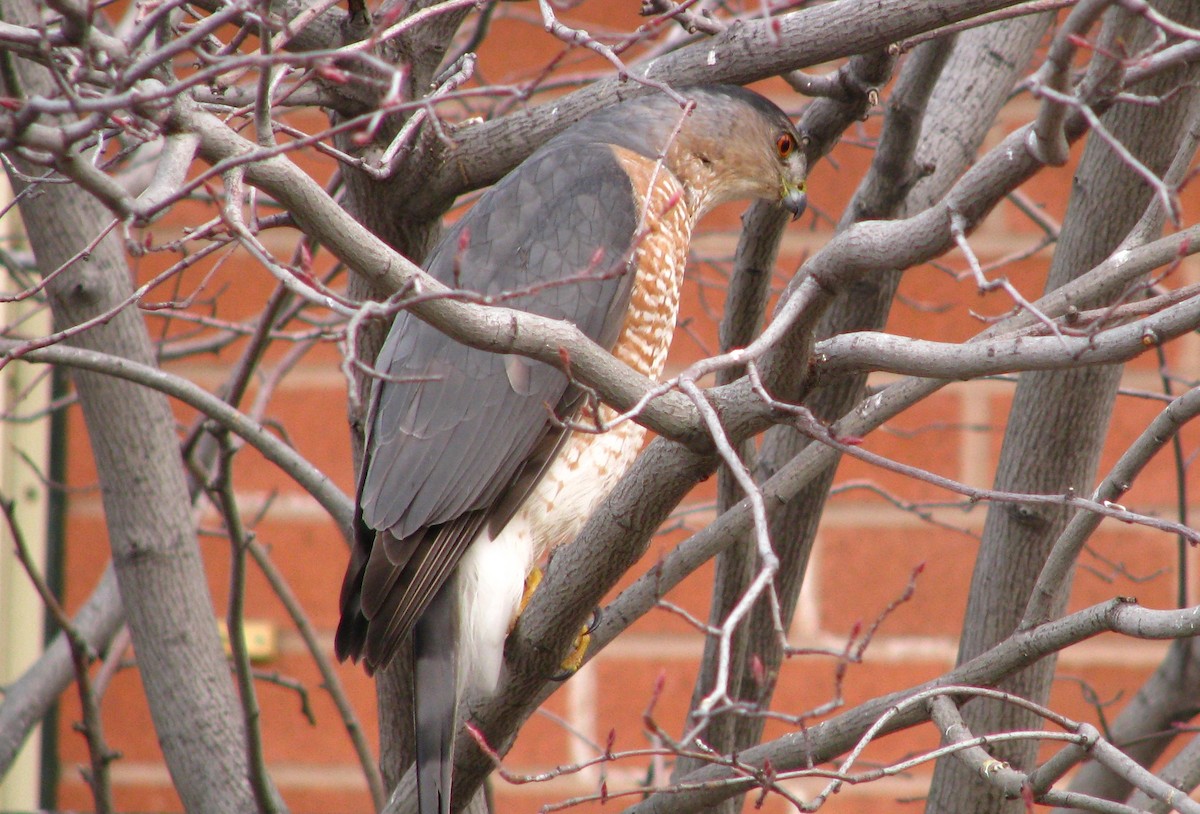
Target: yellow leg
(532, 580)
(574, 659)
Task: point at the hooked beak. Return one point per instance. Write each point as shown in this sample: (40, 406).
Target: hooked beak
(794, 199)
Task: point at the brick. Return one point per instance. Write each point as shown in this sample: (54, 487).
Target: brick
(359, 688)
(288, 740)
(128, 728)
(692, 595)
(1155, 488)
(318, 589)
(702, 298)
(545, 739)
(303, 544)
(224, 286)
(314, 415)
(1126, 562)
(929, 435)
(294, 546)
(292, 736)
(81, 472)
(868, 798)
(86, 557)
(311, 798)
(833, 181)
(627, 714)
(625, 687)
(132, 795)
(522, 799)
(518, 47)
(807, 683)
(1113, 685)
(306, 790)
(941, 301)
(1048, 190)
(861, 570)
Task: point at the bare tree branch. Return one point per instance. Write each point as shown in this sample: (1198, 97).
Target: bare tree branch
(27, 700)
(316, 483)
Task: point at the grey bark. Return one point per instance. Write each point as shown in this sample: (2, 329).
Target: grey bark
(625, 522)
(409, 232)
(756, 48)
(132, 432)
(823, 123)
(826, 740)
(1181, 772)
(161, 577)
(959, 116)
(1054, 435)
(28, 699)
(1145, 728)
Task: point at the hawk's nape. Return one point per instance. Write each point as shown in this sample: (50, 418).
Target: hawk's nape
(467, 477)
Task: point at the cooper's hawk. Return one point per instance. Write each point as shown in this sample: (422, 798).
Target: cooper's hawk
(469, 476)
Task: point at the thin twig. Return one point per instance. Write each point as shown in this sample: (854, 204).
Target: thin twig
(98, 777)
(329, 677)
(221, 491)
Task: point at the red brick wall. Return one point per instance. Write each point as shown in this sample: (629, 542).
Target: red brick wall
(867, 551)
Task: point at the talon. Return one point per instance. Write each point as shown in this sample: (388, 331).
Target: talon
(574, 659)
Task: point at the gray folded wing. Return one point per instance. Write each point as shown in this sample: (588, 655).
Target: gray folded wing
(453, 429)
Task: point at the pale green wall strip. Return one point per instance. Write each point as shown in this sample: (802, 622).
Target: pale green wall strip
(24, 392)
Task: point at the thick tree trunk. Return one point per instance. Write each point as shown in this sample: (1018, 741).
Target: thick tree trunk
(958, 114)
(1055, 433)
(154, 548)
(132, 432)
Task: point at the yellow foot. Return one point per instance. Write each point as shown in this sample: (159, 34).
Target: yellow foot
(574, 659)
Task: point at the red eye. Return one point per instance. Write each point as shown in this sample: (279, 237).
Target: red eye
(785, 144)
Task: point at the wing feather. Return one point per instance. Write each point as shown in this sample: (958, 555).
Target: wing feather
(457, 436)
